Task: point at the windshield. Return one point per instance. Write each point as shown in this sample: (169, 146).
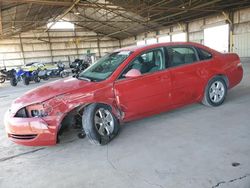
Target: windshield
(105, 66)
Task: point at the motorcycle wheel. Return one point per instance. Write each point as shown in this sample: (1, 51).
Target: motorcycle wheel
(13, 81)
(46, 77)
(26, 80)
(64, 74)
(37, 79)
(2, 79)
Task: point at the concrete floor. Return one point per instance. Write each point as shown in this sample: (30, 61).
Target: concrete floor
(191, 147)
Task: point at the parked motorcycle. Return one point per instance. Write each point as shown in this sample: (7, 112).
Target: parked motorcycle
(6, 74)
(78, 66)
(73, 63)
(24, 76)
(59, 71)
(3, 75)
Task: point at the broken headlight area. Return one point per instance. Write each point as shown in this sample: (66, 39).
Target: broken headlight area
(22, 113)
(39, 110)
(35, 110)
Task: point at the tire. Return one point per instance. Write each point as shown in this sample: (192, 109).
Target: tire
(46, 77)
(13, 81)
(2, 79)
(63, 74)
(37, 79)
(215, 92)
(96, 133)
(26, 80)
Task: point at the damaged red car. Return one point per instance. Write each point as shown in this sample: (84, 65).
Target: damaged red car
(127, 84)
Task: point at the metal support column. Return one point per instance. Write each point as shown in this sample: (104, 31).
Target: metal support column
(50, 48)
(98, 46)
(21, 46)
(77, 48)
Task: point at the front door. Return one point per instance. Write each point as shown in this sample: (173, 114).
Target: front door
(148, 93)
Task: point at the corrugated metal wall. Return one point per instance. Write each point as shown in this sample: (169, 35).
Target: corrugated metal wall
(241, 36)
(242, 44)
(38, 46)
(195, 29)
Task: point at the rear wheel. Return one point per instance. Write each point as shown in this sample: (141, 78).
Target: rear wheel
(99, 123)
(26, 80)
(13, 81)
(215, 92)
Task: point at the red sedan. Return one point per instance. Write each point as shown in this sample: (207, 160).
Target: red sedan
(127, 84)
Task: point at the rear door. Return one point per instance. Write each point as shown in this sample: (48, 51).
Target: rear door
(186, 74)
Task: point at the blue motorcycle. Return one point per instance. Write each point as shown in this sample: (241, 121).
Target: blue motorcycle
(24, 76)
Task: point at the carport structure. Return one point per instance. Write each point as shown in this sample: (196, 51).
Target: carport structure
(116, 19)
(102, 26)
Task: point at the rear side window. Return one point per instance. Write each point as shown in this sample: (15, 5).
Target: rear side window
(204, 55)
(181, 55)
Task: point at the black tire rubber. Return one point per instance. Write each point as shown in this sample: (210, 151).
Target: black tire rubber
(37, 79)
(63, 74)
(13, 81)
(26, 81)
(46, 78)
(88, 124)
(2, 79)
(206, 99)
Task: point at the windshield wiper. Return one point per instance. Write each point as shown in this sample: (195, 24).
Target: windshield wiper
(83, 78)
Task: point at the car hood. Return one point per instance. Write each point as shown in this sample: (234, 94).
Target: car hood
(48, 91)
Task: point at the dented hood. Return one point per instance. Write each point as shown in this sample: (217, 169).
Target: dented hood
(48, 91)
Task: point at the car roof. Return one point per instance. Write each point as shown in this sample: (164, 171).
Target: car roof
(147, 47)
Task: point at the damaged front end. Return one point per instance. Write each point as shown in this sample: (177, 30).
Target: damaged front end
(41, 123)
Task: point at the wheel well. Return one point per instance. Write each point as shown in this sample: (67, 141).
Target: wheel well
(218, 75)
(224, 78)
(115, 110)
(71, 118)
(74, 117)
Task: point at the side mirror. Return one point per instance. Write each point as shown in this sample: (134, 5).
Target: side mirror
(132, 73)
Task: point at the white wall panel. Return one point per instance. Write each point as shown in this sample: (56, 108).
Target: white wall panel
(62, 52)
(165, 38)
(9, 41)
(196, 25)
(10, 48)
(12, 63)
(39, 59)
(36, 54)
(196, 37)
(242, 44)
(17, 55)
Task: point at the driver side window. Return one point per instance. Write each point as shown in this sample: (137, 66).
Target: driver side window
(147, 62)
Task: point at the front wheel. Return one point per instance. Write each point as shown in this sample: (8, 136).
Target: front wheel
(37, 79)
(46, 77)
(99, 123)
(64, 74)
(13, 81)
(215, 92)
